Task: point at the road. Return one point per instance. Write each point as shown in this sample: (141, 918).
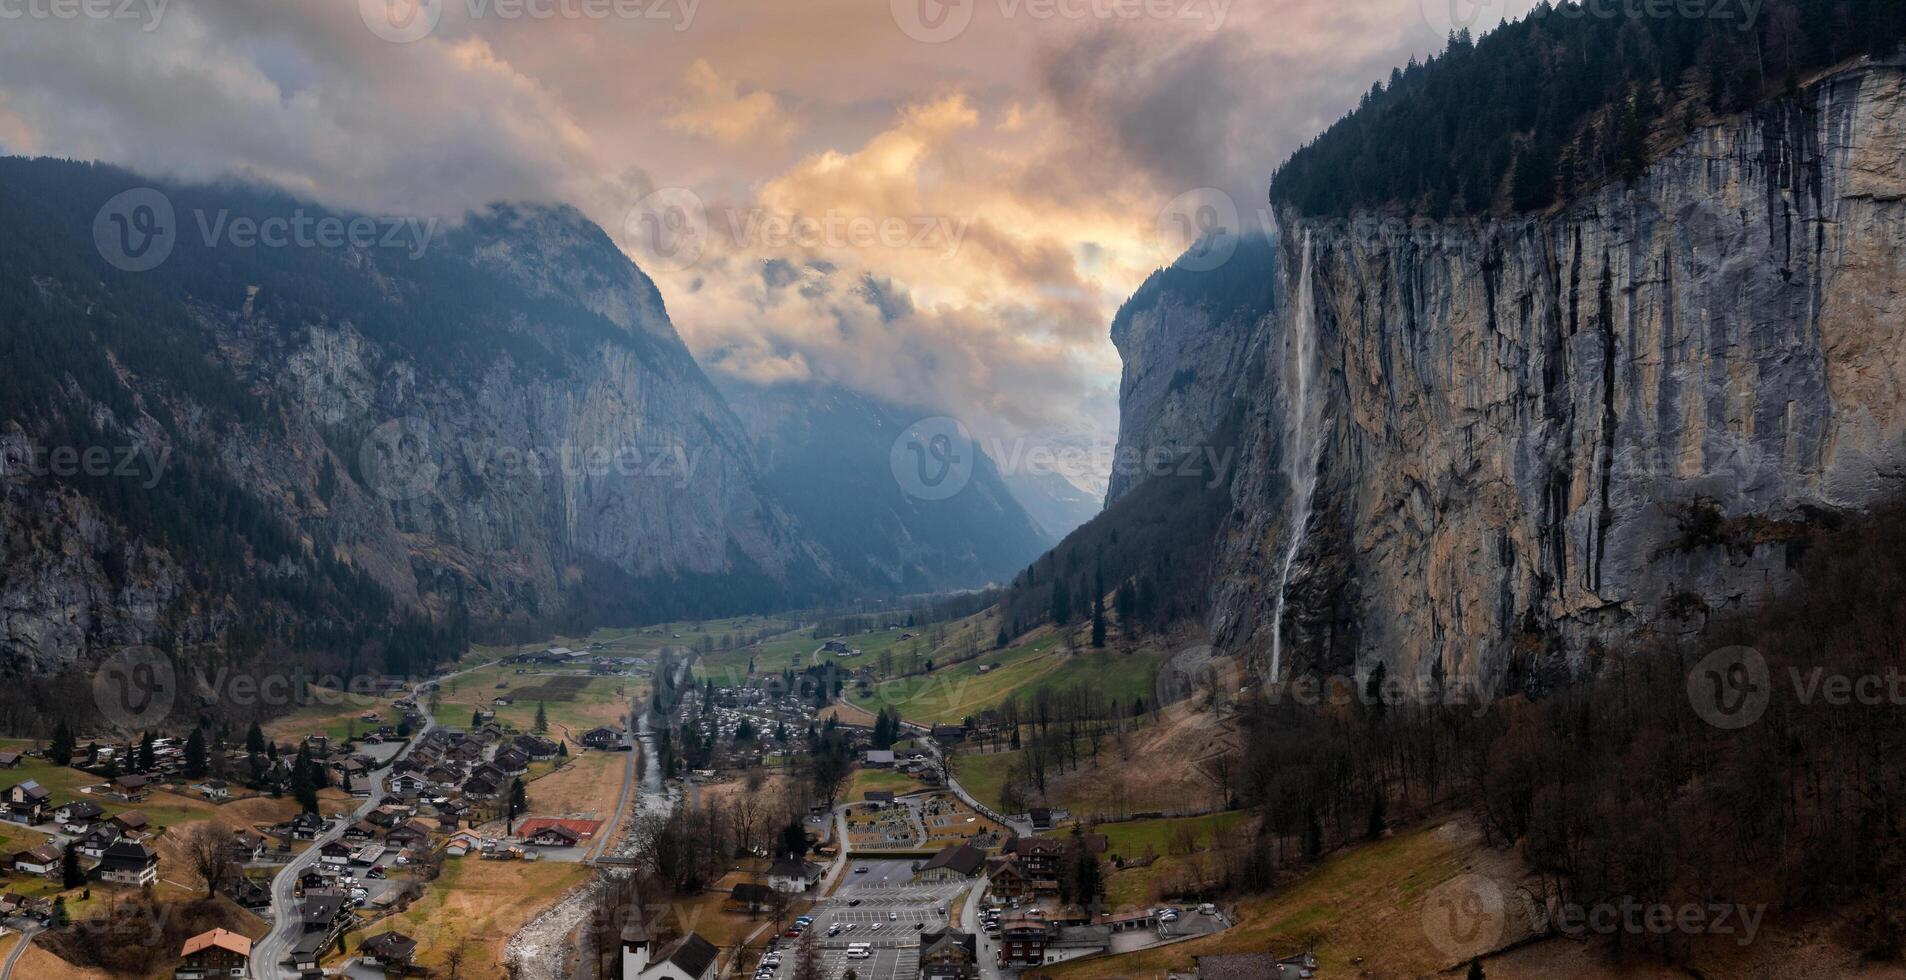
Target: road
(19, 950)
(270, 953)
(923, 736)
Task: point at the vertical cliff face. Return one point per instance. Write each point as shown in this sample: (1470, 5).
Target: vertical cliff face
(1546, 433)
(1186, 341)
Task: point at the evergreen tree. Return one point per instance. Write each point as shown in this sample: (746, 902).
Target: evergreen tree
(1061, 602)
(255, 739)
(519, 800)
(542, 718)
(60, 750)
(148, 754)
(195, 759)
(71, 874)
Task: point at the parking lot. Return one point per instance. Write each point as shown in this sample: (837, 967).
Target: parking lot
(883, 908)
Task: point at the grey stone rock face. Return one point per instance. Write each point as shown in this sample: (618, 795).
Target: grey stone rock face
(1549, 433)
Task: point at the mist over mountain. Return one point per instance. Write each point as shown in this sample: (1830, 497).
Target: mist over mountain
(827, 455)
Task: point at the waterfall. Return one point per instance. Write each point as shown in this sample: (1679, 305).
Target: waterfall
(1302, 445)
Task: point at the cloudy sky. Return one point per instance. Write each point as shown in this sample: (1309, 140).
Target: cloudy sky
(938, 203)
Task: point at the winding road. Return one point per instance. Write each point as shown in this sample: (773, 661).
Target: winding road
(269, 954)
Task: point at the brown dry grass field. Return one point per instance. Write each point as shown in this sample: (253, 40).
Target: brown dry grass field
(481, 904)
(1363, 913)
(588, 784)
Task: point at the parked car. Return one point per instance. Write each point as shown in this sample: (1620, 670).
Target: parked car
(893, 916)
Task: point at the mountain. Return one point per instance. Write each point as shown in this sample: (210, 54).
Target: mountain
(829, 456)
(490, 426)
(1054, 503)
(1521, 438)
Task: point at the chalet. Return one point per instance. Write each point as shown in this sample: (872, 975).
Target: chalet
(408, 835)
(1023, 939)
(492, 774)
(879, 757)
(249, 893)
(94, 843)
(78, 818)
(9, 760)
(604, 739)
(306, 826)
(360, 831)
(443, 776)
(323, 911)
(129, 863)
(42, 860)
(132, 823)
(949, 733)
(449, 815)
(334, 854)
(882, 797)
(688, 958)
(409, 784)
(248, 847)
(511, 762)
(463, 843)
(27, 802)
(955, 862)
(1038, 856)
(555, 835)
(369, 854)
(535, 747)
(308, 951)
(215, 789)
(480, 788)
(132, 786)
(750, 897)
(389, 949)
(948, 954)
(793, 876)
(214, 954)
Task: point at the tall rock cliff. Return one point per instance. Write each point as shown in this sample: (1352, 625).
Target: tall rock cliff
(1546, 433)
(493, 421)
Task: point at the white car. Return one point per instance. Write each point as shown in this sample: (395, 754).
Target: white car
(893, 916)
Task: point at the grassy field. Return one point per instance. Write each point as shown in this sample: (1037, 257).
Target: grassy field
(952, 694)
(984, 774)
(1132, 837)
(589, 783)
(1364, 903)
(480, 905)
(877, 780)
(336, 716)
(574, 701)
